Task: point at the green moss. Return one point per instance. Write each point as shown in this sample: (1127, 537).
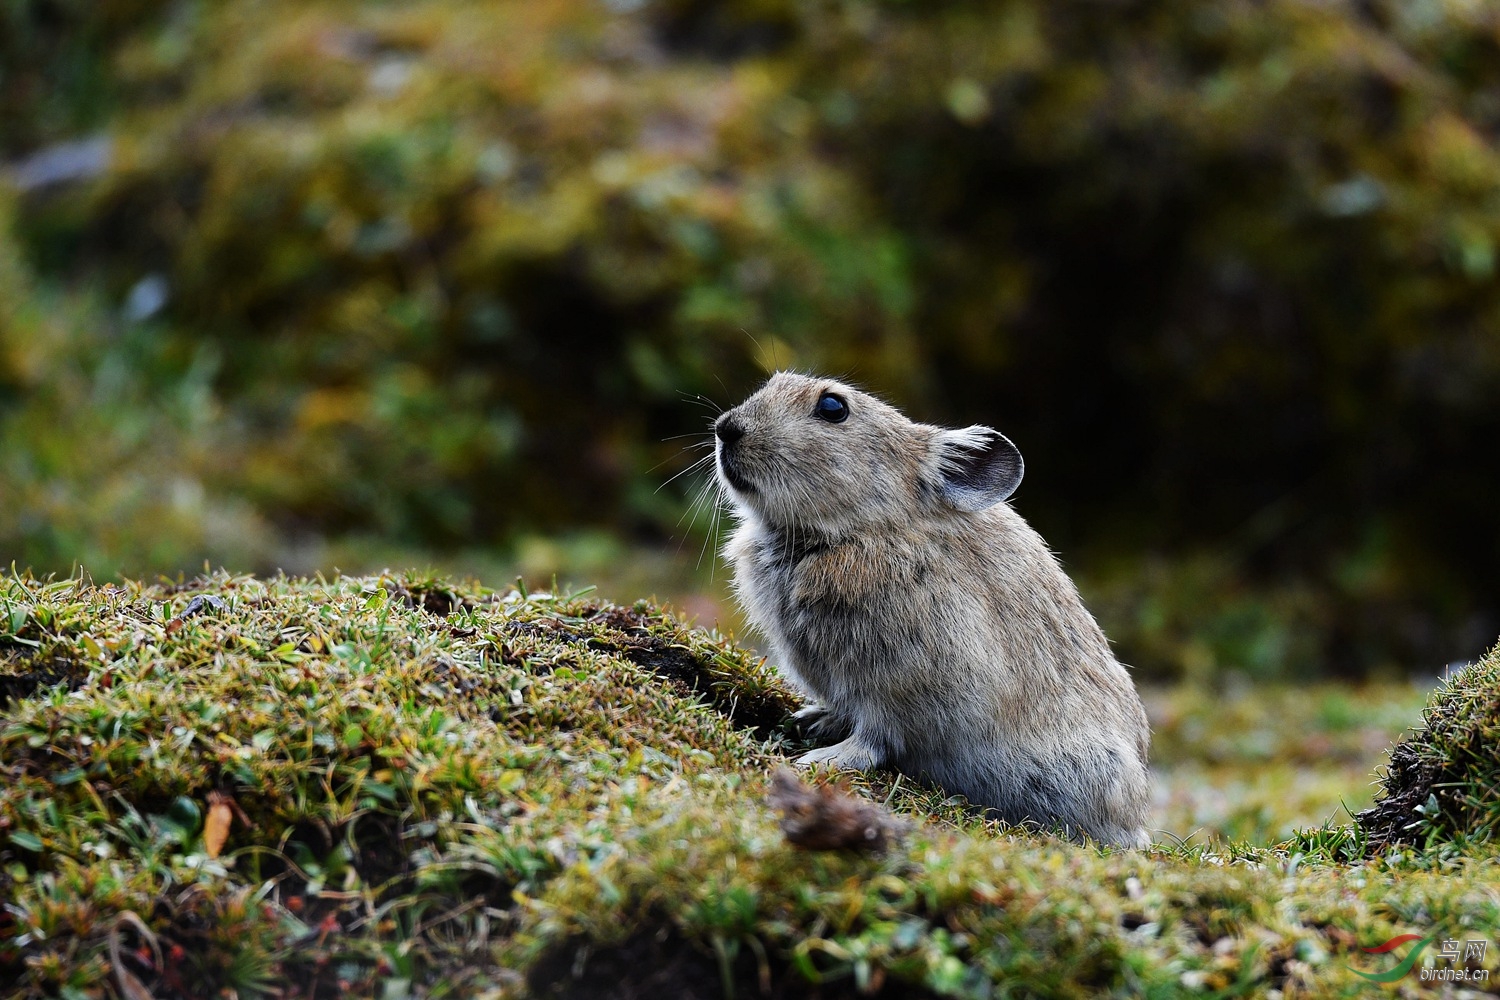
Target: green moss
(1443, 783)
(395, 746)
(442, 789)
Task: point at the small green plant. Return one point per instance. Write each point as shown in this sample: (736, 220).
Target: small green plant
(1442, 787)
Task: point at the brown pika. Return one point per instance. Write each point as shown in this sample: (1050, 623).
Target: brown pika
(933, 627)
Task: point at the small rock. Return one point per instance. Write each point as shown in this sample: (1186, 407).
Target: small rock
(828, 818)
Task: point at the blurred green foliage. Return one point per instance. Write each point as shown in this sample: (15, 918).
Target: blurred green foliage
(447, 273)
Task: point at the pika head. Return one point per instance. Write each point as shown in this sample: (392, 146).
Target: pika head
(931, 628)
(823, 457)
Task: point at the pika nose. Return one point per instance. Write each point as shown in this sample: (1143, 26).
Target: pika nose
(727, 431)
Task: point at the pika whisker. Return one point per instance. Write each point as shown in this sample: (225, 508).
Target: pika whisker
(695, 467)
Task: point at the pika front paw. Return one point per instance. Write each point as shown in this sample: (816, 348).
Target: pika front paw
(851, 754)
(817, 723)
(810, 714)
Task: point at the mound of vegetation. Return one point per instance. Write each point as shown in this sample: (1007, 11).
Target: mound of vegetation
(1443, 782)
(338, 263)
(399, 786)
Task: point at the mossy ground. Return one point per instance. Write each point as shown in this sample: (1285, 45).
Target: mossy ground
(437, 789)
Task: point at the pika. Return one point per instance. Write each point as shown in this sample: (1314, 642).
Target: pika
(935, 630)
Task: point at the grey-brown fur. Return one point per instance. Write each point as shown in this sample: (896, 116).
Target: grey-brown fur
(932, 625)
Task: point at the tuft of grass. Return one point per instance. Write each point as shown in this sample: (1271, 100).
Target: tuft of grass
(403, 785)
(1442, 787)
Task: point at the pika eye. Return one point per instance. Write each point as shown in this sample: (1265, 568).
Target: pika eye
(832, 409)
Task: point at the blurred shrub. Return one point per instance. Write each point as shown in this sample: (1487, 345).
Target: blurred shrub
(113, 450)
(449, 269)
(56, 75)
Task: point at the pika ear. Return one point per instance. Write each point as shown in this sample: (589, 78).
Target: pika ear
(977, 467)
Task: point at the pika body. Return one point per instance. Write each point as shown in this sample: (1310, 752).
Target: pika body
(931, 626)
